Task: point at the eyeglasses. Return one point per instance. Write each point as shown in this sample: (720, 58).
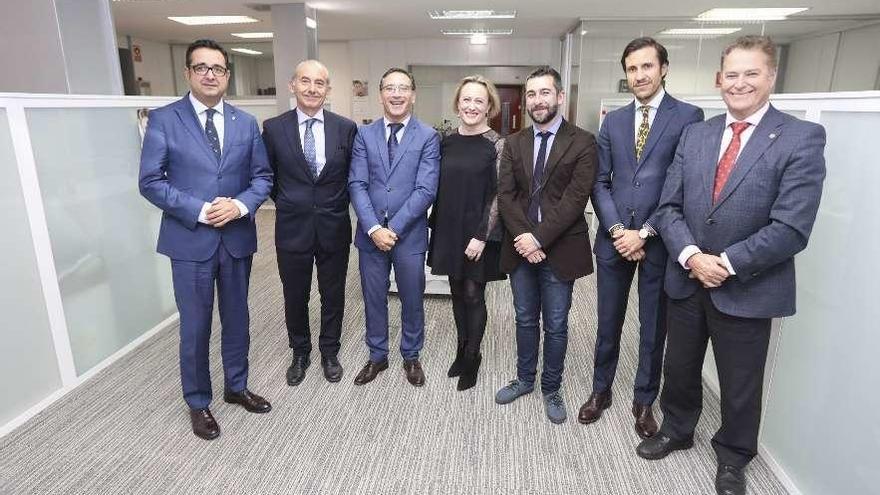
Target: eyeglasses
(202, 69)
(396, 88)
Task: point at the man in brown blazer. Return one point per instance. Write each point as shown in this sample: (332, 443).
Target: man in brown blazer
(547, 173)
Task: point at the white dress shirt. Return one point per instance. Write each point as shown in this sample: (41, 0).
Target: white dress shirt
(405, 123)
(653, 105)
(317, 133)
(202, 114)
(753, 120)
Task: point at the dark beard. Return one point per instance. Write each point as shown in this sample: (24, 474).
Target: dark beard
(552, 110)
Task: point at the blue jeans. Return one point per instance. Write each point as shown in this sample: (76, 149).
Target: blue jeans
(536, 292)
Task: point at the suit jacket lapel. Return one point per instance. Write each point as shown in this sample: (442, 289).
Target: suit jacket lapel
(629, 133)
(665, 113)
(527, 153)
(710, 160)
(230, 129)
(382, 144)
(190, 120)
(331, 141)
(408, 136)
(762, 137)
(561, 142)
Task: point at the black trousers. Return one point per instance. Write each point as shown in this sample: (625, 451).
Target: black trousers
(740, 348)
(296, 279)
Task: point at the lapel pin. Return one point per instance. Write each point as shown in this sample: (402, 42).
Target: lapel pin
(771, 136)
(233, 117)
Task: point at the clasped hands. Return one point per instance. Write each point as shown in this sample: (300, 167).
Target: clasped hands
(474, 249)
(708, 269)
(629, 244)
(384, 238)
(222, 211)
(527, 247)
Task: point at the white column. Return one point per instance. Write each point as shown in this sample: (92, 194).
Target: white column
(296, 39)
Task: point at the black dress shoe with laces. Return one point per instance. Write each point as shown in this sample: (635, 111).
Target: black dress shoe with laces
(730, 480)
(660, 446)
(297, 370)
(248, 400)
(370, 371)
(332, 368)
(414, 373)
(203, 424)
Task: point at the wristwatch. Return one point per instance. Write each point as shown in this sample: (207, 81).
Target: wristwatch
(644, 234)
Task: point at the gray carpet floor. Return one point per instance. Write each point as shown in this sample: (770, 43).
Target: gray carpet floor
(127, 431)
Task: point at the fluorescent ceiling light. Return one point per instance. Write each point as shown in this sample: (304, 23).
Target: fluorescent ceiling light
(207, 20)
(762, 14)
(246, 51)
(311, 23)
(471, 32)
(253, 35)
(697, 32)
(472, 14)
(479, 39)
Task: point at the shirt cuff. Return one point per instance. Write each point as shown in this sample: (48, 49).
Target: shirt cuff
(727, 264)
(617, 226)
(651, 230)
(685, 255)
(241, 207)
(373, 229)
(535, 240)
(203, 215)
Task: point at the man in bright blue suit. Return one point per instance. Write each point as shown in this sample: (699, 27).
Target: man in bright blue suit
(204, 165)
(636, 146)
(395, 166)
(739, 202)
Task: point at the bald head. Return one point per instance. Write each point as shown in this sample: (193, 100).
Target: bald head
(310, 85)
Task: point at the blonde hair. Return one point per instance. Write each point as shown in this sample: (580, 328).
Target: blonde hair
(494, 100)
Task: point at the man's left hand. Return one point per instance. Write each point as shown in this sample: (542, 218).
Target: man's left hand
(222, 211)
(628, 243)
(525, 244)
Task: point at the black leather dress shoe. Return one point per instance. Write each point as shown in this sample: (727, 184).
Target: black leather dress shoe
(370, 371)
(646, 425)
(414, 373)
(203, 424)
(332, 369)
(250, 401)
(660, 446)
(591, 411)
(297, 370)
(730, 480)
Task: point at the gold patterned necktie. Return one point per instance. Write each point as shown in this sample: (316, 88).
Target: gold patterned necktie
(642, 136)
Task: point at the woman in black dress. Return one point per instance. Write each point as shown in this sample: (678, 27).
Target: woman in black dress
(465, 231)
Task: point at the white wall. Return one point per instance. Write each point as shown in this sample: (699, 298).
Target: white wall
(337, 58)
(810, 64)
(845, 61)
(155, 66)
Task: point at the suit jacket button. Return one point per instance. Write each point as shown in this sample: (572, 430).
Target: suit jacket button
(710, 221)
(389, 189)
(638, 184)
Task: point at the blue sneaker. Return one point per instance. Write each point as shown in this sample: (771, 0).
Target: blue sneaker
(555, 407)
(512, 391)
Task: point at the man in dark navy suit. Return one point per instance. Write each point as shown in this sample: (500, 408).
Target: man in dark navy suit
(636, 145)
(310, 151)
(204, 164)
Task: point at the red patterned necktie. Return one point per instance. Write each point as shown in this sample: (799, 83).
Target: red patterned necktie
(728, 159)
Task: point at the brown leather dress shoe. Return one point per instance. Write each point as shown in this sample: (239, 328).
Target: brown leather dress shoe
(646, 425)
(414, 373)
(250, 401)
(203, 424)
(370, 371)
(591, 411)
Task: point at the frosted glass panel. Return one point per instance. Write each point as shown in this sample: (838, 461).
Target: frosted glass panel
(28, 367)
(826, 372)
(113, 284)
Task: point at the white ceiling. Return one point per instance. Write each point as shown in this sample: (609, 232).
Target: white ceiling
(385, 19)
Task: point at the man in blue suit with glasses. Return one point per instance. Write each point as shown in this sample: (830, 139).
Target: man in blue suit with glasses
(204, 165)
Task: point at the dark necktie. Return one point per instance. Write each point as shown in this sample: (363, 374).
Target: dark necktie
(728, 159)
(538, 177)
(211, 132)
(309, 148)
(392, 142)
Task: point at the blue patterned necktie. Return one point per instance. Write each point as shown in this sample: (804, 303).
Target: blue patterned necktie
(309, 148)
(392, 142)
(538, 177)
(211, 132)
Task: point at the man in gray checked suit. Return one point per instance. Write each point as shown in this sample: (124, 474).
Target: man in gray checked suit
(739, 202)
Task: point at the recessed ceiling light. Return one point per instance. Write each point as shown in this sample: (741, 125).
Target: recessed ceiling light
(246, 51)
(253, 35)
(761, 14)
(207, 20)
(479, 39)
(697, 32)
(472, 14)
(471, 32)
(311, 23)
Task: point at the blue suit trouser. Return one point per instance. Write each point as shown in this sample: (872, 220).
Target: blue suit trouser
(613, 279)
(194, 283)
(409, 275)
